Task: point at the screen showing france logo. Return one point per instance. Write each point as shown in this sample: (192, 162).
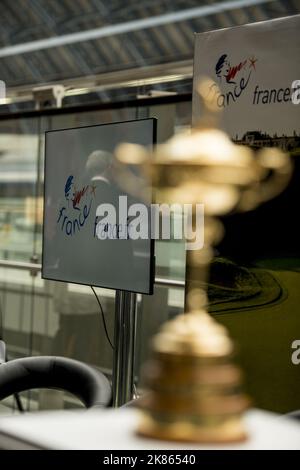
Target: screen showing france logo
(79, 176)
(76, 208)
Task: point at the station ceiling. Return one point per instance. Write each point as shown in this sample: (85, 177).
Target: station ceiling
(103, 37)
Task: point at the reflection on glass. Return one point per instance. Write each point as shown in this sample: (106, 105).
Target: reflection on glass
(43, 317)
(18, 176)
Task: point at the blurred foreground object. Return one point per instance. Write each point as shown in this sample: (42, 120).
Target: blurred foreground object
(195, 390)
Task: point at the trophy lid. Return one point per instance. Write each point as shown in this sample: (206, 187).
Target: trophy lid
(203, 146)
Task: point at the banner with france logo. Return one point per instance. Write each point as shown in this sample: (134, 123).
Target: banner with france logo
(256, 68)
(256, 73)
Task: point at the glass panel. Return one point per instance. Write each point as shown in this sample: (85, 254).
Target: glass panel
(51, 318)
(20, 225)
(18, 177)
(17, 318)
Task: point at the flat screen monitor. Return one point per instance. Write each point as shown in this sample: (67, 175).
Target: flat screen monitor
(81, 244)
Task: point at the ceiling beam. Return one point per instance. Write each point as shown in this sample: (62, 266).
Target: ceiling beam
(135, 77)
(128, 26)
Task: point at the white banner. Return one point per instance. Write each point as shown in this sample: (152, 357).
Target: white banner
(257, 70)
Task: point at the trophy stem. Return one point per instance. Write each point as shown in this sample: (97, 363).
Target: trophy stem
(198, 268)
(197, 272)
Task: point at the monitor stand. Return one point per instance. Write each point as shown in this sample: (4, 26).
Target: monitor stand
(124, 347)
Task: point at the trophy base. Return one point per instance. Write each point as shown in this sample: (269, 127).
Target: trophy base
(230, 431)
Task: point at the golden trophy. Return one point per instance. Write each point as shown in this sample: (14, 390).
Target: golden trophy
(195, 392)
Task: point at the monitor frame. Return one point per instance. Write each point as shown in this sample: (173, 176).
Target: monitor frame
(152, 241)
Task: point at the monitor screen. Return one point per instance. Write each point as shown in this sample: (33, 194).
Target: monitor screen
(87, 218)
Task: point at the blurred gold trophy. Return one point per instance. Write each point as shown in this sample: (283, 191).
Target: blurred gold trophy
(194, 388)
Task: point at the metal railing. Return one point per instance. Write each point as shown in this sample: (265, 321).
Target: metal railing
(34, 268)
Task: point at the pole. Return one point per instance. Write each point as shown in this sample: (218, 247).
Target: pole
(124, 347)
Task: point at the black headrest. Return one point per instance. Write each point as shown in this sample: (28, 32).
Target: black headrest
(82, 380)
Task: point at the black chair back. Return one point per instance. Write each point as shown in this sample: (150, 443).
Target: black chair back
(87, 383)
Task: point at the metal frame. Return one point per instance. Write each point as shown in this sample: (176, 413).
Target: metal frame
(96, 83)
(82, 108)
